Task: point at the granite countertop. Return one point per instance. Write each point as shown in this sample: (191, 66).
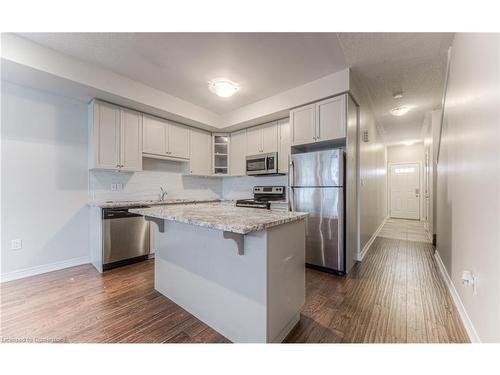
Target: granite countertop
(130, 203)
(223, 216)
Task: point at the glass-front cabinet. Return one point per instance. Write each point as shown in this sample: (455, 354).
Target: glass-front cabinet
(220, 153)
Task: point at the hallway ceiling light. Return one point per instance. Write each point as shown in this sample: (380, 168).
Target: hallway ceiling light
(400, 111)
(398, 95)
(223, 87)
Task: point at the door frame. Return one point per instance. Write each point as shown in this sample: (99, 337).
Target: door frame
(389, 187)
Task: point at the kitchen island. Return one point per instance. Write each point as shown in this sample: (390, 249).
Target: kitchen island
(239, 270)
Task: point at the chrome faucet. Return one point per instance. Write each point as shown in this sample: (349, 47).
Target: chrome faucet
(162, 195)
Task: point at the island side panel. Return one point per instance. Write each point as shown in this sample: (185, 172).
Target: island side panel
(202, 272)
(286, 278)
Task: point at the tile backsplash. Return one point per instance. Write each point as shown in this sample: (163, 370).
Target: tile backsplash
(171, 175)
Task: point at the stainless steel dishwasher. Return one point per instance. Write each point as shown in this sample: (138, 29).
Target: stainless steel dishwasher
(125, 236)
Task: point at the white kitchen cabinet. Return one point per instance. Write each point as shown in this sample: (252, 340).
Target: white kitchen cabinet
(130, 140)
(178, 141)
(238, 153)
(262, 138)
(254, 140)
(200, 156)
(154, 136)
(331, 118)
(165, 139)
(284, 145)
(221, 152)
(270, 137)
(317, 122)
(303, 124)
(115, 137)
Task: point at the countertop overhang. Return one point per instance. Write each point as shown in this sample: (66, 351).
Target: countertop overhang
(224, 216)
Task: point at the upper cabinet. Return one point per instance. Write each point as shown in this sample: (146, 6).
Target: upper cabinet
(221, 154)
(331, 118)
(317, 122)
(262, 138)
(162, 138)
(200, 152)
(238, 153)
(303, 124)
(284, 145)
(178, 141)
(115, 137)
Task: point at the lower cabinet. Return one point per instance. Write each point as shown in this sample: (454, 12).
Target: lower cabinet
(200, 158)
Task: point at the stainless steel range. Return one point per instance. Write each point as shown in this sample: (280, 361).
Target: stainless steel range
(263, 196)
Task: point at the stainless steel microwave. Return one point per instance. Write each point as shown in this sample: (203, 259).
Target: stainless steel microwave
(262, 164)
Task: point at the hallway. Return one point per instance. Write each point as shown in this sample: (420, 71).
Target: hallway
(396, 295)
(408, 230)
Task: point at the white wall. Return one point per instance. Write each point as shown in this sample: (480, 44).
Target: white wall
(44, 179)
(372, 169)
(468, 178)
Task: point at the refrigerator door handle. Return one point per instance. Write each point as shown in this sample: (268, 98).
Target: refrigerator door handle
(290, 182)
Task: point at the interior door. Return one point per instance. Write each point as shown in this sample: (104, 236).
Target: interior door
(405, 191)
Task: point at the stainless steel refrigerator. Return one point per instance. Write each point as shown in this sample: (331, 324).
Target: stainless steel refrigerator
(316, 181)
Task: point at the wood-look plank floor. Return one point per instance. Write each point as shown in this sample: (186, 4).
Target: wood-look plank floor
(395, 295)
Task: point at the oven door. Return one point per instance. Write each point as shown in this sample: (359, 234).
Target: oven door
(256, 165)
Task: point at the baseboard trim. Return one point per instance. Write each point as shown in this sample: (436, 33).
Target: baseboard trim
(469, 327)
(38, 270)
(370, 242)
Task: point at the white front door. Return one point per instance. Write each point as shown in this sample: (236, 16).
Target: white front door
(405, 190)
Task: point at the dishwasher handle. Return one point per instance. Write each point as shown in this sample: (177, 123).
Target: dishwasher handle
(117, 213)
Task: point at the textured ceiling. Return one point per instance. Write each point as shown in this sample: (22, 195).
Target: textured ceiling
(181, 64)
(265, 64)
(390, 62)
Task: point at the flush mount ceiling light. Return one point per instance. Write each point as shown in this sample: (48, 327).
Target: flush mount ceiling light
(400, 111)
(397, 95)
(223, 87)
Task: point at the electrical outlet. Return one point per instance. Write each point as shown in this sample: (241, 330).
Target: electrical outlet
(16, 244)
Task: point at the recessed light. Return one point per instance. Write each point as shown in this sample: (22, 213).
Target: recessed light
(400, 111)
(223, 87)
